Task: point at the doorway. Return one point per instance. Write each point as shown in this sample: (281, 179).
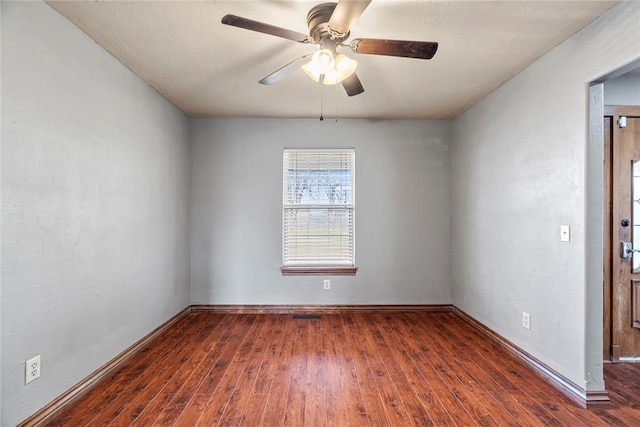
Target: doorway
(621, 296)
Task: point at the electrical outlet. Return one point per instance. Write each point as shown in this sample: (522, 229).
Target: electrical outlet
(327, 284)
(526, 320)
(32, 369)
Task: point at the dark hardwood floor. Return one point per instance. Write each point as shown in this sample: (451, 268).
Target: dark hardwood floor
(342, 370)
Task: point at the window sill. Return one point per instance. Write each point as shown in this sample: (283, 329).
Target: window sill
(318, 270)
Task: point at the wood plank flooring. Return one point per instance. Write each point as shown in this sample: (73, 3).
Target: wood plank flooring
(354, 369)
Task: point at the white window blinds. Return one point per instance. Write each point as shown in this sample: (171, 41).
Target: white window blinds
(318, 207)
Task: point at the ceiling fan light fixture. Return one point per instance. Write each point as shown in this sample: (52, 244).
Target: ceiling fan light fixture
(311, 71)
(334, 70)
(323, 61)
(345, 66)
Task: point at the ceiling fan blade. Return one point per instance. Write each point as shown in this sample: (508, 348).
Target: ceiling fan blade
(346, 14)
(283, 72)
(402, 48)
(352, 85)
(261, 27)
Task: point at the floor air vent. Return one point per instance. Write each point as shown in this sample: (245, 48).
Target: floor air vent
(306, 317)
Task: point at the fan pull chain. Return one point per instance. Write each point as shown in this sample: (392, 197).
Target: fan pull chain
(336, 102)
(321, 92)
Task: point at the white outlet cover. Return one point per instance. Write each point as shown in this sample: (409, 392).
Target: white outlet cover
(32, 369)
(526, 320)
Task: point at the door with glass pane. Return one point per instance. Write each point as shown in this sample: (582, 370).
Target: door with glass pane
(625, 234)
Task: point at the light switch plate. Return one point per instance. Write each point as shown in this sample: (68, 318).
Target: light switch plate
(565, 233)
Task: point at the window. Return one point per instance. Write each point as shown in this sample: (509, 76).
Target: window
(318, 212)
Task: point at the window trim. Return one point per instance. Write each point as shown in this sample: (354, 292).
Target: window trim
(318, 270)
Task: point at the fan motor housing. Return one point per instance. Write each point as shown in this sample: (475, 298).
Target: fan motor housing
(318, 22)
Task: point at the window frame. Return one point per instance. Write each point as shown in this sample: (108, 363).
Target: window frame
(311, 268)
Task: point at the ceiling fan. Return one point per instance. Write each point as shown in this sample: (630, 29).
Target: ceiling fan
(329, 26)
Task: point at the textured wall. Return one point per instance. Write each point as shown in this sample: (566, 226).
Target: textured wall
(594, 241)
(402, 211)
(519, 162)
(95, 194)
(0, 216)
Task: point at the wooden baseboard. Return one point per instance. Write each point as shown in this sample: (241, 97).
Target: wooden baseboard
(583, 398)
(318, 309)
(597, 399)
(61, 403)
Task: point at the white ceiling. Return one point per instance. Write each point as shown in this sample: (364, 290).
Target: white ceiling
(209, 69)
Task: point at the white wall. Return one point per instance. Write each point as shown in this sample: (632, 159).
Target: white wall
(402, 211)
(0, 217)
(623, 90)
(95, 194)
(519, 161)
